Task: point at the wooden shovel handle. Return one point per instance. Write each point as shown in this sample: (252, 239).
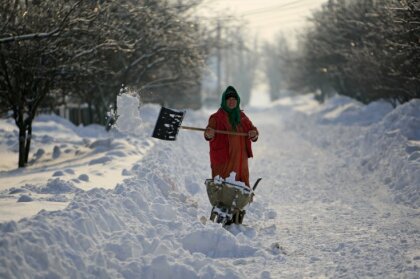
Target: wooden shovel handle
(217, 131)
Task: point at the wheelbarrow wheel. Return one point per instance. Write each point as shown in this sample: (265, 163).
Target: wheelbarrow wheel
(238, 216)
(213, 215)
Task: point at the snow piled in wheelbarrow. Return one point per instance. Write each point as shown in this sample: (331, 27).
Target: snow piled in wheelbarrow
(147, 227)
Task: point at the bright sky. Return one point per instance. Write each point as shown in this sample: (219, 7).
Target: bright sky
(267, 17)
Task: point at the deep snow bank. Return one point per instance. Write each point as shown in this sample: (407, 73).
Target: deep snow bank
(383, 141)
(147, 227)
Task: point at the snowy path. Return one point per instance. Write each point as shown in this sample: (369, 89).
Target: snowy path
(331, 219)
(331, 204)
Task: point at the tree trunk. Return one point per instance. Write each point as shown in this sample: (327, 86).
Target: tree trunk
(28, 142)
(90, 111)
(22, 149)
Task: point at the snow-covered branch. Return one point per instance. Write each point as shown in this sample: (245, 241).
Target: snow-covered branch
(41, 35)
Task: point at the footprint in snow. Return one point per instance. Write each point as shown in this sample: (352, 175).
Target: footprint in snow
(203, 220)
(277, 249)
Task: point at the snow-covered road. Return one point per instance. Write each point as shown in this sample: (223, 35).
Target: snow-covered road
(339, 199)
(332, 220)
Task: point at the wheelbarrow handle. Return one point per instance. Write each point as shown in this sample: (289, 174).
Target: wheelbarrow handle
(217, 131)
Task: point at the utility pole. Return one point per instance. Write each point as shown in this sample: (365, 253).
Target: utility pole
(219, 56)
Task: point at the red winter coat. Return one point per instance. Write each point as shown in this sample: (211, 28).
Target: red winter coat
(230, 152)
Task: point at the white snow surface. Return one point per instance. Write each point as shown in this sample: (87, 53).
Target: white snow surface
(339, 197)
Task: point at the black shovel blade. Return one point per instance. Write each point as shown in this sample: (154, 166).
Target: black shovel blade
(168, 123)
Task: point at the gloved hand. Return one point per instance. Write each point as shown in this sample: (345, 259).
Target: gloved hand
(253, 135)
(209, 133)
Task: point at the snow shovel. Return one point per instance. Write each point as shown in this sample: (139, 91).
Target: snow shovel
(169, 122)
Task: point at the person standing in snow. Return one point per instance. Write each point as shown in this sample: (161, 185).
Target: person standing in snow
(230, 153)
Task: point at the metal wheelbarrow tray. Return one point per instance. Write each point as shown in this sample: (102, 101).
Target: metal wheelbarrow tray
(228, 201)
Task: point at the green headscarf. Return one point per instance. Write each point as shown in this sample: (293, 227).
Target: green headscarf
(235, 113)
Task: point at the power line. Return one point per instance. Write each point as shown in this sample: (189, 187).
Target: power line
(298, 15)
(296, 12)
(285, 23)
(261, 10)
(291, 6)
(290, 15)
(274, 8)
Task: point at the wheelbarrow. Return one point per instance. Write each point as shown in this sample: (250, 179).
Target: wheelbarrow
(229, 200)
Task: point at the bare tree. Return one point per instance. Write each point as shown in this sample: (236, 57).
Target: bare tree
(153, 47)
(278, 62)
(87, 49)
(30, 59)
(367, 50)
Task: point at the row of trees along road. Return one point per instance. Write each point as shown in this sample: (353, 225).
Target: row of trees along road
(364, 49)
(55, 50)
